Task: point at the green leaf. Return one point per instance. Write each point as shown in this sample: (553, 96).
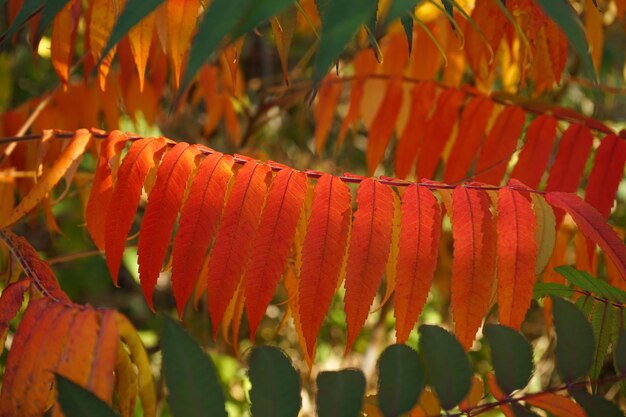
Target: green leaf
(544, 289)
(191, 378)
(448, 369)
(76, 401)
(340, 393)
(590, 284)
(49, 12)
(619, 353)
(400, 380)
(341, 19)
(407, 24)
(220, 19)
(595, 405)
(134, 11)
(575, 343)
(585, 305)
(449, 6)
(275, 384)
(562, 13)
(511, 355)
(521, 411)
(259, 12)
(28, 9)
(602, 321)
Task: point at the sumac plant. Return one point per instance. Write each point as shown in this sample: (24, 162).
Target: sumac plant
(437, 184)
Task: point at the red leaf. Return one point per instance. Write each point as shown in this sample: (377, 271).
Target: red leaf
(593, 226)
(556, 405)
(234, 237)
(102, 187)
(273, 241)
(535, 155)
(11, 302)
(422, 98)
(517, 256)
(473, 265)
(606, 174)
(472, 128)
(34, 267)
(420, 230)
(322, 253)
(499, 146)
(438, 131)
(162, 209)
(370, 242)
(198, 222)
(141, 157)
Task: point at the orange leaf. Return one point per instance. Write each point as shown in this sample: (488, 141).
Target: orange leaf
(606, 174)
(557, 405)
(325, 109)
(557, 48)
(80, 348)
(517, 256)
(207, 79)
(370, 242)
(141, 157)
(102, 186)
(420, 230)
(473, 266)
(63, 37)
(474, 396)
(437, 131)
(101, 379)
(162, 209)
(103, 16)
(364, 64)
(233, 243)
(283, 27)
(499, 145)
(382, 126)
(273, 240)
(422, 98)
(51, 177)
(140, 38)
(322, 254)
(37, 348)
(181, 21)
(535, 155)
(199, 218)
(593, 226)
(472, 128)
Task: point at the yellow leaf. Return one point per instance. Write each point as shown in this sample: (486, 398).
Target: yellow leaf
(51, 177)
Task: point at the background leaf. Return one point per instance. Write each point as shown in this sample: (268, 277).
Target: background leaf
(275, 384)
(511, 355)
(76, 401)
(447, 366)
(340, 393)
(575, 342)
(190, 375)
(338, 28)
(400, 380)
